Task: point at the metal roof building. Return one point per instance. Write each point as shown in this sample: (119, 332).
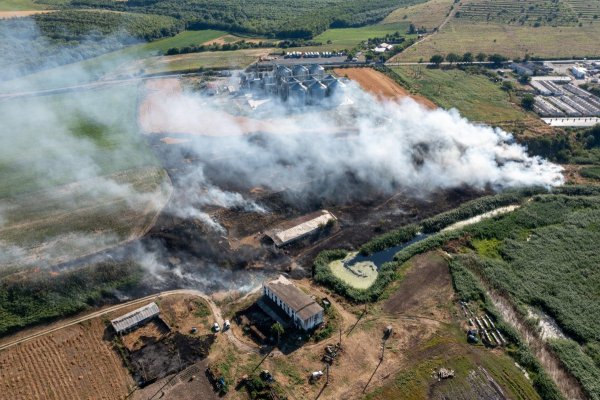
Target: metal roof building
(135, 318)
(304, 311)
(300, 227)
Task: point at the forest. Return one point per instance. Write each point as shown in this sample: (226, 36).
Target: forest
(48, 40)
(305, 19)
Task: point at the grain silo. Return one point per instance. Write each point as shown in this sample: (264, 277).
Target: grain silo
(297, 93)
(316, 71)
(317, 91)
(300, 72)
(334, 87)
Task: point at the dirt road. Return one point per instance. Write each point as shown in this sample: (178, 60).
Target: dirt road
(77, 320)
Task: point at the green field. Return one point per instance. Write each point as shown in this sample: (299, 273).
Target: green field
(105, 66)
(347, 38)
(77, 178)
(475, 96)
(21, 5)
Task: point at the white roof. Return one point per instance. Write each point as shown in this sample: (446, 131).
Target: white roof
(281, 237)
(134, 317)
(379, 49)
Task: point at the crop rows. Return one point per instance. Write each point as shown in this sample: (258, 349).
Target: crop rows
(585, 9)
(73, 363)
(542, 12)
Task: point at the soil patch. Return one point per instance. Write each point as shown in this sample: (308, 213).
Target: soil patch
(150, 333)
(20, 14)
(426, 283)
(171, 355)
(381, 85)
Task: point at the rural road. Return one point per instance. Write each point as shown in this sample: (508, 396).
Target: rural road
(242, 346)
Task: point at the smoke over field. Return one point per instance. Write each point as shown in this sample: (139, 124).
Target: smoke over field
(78, 176)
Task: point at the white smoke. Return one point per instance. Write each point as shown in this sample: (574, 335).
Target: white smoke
(386, 145)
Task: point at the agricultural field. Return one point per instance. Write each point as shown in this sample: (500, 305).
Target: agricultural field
(554, 30)
(348, 38)
(533, 12)
(473, 95)
(428, 15)
(108, 189)
(75, 362)
(21, 5)
(193, 61)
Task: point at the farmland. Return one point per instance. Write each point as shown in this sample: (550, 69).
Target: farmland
(428, 15)
(56, 212)
(21, 5)
(542, 28)
(58, 366)
(347, 38)
(475, 96)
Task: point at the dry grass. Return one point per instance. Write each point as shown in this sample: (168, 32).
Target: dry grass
(509, 40)
(429, 14)
(18, 14)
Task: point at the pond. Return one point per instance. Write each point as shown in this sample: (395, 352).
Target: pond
(381, 257)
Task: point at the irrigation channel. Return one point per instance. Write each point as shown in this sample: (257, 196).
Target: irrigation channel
(381, 257)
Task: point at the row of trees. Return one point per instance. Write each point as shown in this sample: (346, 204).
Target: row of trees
(467, 58)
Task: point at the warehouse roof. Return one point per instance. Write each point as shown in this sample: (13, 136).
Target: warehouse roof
(134, 317)
(300, 227)
(304, 306)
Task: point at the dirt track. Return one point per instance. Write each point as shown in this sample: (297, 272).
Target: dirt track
(18, 14)
(381, 85)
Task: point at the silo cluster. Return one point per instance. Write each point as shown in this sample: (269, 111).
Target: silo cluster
(298, 84)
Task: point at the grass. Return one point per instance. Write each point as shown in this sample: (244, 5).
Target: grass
(107, 65)
(591, 172)
(509, 40)
(348, 38)
(99, 126)
(475, 96)
(448, 349)
(21, 5)
(185, 38)
(429, 14)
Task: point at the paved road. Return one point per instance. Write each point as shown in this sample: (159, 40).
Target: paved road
(242, 346)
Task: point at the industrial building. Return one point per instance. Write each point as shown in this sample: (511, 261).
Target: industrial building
(300, 227)
(298, 85)
(135, 318)
(560, 98)
(305, 312)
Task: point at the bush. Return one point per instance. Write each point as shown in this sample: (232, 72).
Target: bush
(390, 239)
(580, 365)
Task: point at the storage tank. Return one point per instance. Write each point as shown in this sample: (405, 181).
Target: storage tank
(300, 72)
(283, 72)
(317, 92)
(317, 71)
(297, 93)
(334, 86)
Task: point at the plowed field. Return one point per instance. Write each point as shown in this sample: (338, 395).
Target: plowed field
(73, 363)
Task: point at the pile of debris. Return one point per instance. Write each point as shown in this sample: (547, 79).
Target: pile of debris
(444, 373)
(331, 352)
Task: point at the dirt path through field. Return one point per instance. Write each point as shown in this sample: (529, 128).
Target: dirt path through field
(20, 14)
(381, 85)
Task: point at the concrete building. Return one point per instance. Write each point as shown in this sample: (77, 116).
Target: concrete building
(579, 72)
(305, 312)
(135, 318)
